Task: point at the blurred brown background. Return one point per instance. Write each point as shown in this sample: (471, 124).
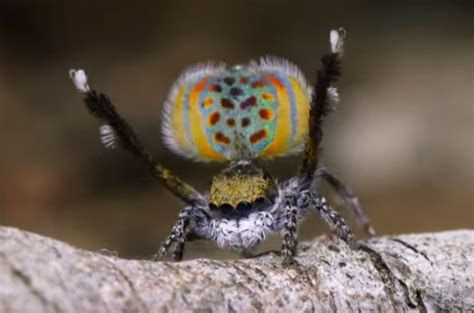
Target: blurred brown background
(402, 136)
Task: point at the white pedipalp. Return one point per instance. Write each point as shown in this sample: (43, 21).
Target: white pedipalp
(240, 234)
(255, 228)
(225, 233)
(79, 79)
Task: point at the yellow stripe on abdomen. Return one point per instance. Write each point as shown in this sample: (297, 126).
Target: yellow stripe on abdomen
(283, 126)
(179, 129)
(196, 125)
(302, 111)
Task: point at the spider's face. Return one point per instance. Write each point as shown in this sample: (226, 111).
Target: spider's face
(242, 189)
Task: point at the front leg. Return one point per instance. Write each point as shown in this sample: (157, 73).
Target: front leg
(320, 104)
(298, 203)
(288, 224)
(190, 220)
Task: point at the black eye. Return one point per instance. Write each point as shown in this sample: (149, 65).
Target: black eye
(227, 208)
(244, 208)
(212, 206)
(260, 203)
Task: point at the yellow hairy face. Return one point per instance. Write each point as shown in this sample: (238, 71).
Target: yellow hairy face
(242, 187)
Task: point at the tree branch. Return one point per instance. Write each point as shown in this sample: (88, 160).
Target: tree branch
(433, 271)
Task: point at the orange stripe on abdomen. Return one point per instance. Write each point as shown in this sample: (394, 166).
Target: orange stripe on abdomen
(283, 126)
(197, 124)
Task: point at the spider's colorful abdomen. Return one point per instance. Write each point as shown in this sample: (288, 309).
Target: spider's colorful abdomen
(246, 112)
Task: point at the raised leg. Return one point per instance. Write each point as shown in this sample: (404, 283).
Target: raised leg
(190, 220)
(320, 105)
(115, 131)
(348, 196)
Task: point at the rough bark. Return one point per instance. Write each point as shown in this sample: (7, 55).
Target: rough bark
(432, 272)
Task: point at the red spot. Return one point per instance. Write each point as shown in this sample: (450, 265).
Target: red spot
(256, 137)
(244, 80)
(265, 114)
(215, 88)
(231, 122)
(214, 118)
(267, 96)
(275, 82)
(200, 85)
(207, 102)
(245, 122)
(220, 137)
(227, 104)
(258, 84)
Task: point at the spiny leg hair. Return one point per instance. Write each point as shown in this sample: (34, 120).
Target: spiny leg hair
(192, 220)
(298, 203)
(177, 237)
(352, 202)
(289, 223)
(333, 219)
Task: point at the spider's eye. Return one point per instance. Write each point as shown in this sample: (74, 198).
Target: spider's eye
(260, 201)
(227, 208)
(212, 206)
(244, 208)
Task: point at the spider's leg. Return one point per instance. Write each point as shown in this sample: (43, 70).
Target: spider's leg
(343, 231)
(348, 196)
(115, 131)
(287, 217)
(191, 220)
(333, 219)
(177, 237)
(288, 224)
(320, 105)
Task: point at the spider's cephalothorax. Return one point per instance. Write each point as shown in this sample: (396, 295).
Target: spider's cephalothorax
(241, 189)
(240, 115)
